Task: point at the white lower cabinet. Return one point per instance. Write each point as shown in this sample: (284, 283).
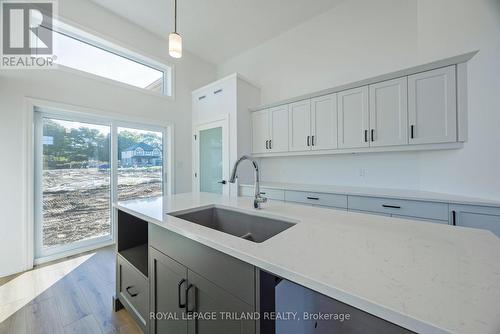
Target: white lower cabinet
(389, 113)
(354, 118)
(432, 106)
(481, 217)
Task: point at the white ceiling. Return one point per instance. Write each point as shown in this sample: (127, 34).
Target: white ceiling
(217, 30)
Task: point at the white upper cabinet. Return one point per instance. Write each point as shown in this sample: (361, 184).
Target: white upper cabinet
(425, 105)
(432, 106)
(389, 113)
(261, 131)
(353, 118)
(324, 122)
(299, 115)
(279, 129)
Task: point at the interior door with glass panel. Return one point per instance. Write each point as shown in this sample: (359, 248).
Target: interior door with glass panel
(212, 158)
(73, 175)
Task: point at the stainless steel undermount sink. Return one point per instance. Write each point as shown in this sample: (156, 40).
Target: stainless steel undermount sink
(256, 228)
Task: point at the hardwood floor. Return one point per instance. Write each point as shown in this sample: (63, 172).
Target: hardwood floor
(69, 296)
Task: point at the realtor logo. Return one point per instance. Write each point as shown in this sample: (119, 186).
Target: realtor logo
(27, 37)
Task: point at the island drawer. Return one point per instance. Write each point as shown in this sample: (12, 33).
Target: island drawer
(419, 209)
(133, 289)
(276, 194)
(330, 200)
(233, 275)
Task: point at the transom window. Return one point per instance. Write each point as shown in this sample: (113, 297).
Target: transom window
(90, 54)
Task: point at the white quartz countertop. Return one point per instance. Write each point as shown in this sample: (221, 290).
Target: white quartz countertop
(409, 194)
(429, 278)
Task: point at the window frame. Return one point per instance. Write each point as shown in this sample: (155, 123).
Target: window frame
(40, 108)
(106, 44)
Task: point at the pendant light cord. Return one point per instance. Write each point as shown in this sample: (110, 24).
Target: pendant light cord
(175, 16)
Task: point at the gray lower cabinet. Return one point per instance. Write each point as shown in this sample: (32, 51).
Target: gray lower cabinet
(318, 199)
(277, 194)
(188, 279)
(133, 291)
(445, 222)
(168, 280)
(481, 217)
(179, 295)
(204, 297)
(393, 206)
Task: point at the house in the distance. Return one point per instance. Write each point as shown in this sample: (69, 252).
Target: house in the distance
(141, 155)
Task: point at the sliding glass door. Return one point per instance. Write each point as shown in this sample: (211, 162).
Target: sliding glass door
(77, 177)
(140, 163)
(75, 184)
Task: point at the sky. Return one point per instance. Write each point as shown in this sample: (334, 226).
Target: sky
(84, 57)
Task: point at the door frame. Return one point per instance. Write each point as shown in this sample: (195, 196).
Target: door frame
(82, 114)
(224, 124)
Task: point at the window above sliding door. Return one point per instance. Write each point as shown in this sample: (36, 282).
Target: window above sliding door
(93, 55)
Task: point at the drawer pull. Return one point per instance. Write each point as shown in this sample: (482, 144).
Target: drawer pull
(131, 293)
(202, 97)
(218, 91)
(181, 305)
(391, 206)
(314, 198)
(262, 193)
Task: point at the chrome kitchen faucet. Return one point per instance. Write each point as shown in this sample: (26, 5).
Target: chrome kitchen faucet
(258, 199)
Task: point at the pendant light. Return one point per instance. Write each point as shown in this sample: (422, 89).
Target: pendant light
(174, 39)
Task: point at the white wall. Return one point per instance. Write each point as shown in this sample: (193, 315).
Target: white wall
(448, 27)
(68, 88)
(362, 38)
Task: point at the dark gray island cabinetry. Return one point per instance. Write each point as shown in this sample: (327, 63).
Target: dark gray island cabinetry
(172, 284)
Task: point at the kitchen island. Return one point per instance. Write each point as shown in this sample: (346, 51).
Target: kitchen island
(424, 277)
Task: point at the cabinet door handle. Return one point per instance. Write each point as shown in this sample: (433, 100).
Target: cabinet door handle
(308, 141)
(181, 305)
(373, 135)
(391, 206)
(412, 131)
(131, 293)
(454, 218)
(312, 140)
(366, 136)
(267, 144)
(218, 91)
(202, 97)
(270, 144)
(188, 308)
(314, 198)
